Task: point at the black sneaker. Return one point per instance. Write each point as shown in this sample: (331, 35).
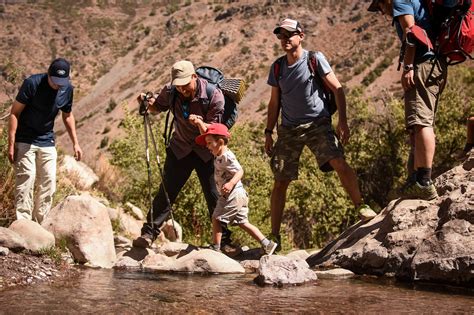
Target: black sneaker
(143, 241)
(215, 248)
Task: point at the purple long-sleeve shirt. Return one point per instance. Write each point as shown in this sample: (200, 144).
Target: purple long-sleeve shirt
(183, 139)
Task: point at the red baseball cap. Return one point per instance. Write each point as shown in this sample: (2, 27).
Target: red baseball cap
(213, 129)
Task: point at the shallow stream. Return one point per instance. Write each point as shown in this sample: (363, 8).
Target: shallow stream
(125, 292)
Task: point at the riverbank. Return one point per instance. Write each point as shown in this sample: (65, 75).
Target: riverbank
(19, 269)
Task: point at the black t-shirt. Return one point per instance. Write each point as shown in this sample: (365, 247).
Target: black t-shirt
(42, 104)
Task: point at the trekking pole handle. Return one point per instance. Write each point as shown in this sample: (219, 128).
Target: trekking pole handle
(144, 104)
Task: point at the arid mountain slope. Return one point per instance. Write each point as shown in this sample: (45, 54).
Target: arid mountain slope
(118, 50)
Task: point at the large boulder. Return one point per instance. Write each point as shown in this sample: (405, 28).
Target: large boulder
(35, 236)
(79, 173)
(415, 239)
(11, 239)
(85, 225)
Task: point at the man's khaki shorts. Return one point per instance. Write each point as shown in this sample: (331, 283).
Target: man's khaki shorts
(421, 102)
(320, 139)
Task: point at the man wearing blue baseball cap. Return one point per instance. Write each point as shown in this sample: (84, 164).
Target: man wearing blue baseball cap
(31, 141)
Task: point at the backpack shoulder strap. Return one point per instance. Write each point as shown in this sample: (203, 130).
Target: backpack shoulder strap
(277, 67)
(313, 63)
(169, 127)
(210, 88)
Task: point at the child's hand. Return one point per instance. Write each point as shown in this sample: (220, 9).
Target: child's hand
(194, 119)
(227, 188)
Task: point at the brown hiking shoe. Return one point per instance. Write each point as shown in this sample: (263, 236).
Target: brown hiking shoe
(231, 250)
(144, 241)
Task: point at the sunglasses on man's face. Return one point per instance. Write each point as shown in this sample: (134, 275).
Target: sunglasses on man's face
(285, 35)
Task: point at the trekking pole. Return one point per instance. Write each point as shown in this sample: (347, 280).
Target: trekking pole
(160, 169)
(144, 112)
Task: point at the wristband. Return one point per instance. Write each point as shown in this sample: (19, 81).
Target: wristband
(268, 131)
(407, 68)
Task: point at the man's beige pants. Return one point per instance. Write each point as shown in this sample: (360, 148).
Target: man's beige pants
(35, 169)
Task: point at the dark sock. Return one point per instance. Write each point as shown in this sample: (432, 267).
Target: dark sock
(468, 147)
(423, 176)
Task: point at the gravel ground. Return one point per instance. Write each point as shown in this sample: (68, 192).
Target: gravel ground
(24, 269)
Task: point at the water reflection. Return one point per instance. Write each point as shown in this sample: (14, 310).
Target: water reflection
(105, 291)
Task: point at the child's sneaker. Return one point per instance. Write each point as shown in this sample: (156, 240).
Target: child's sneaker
(270, 247)
(276, 239)
(366, 213)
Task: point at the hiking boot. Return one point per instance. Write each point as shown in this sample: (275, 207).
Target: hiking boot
(365, 212)
(415, 191)
(277, 240)
(143, 241)
(270, 248)
(231, 250)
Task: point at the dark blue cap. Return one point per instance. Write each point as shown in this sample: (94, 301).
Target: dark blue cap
(59, 71)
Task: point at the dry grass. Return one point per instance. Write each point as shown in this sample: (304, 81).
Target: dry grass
(7, 199)
(110, 179)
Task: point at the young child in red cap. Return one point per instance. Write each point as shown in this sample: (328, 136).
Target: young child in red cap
(232, 205)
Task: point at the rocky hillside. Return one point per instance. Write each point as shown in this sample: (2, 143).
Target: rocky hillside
(120, 48)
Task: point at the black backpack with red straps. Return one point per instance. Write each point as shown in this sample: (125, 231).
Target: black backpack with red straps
(452, 24)
(328, 97)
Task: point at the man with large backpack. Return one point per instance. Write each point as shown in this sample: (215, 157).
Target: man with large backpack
(187, 95)
(301, 94)
(423, 80)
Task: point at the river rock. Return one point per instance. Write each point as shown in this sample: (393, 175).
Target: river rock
(128, 224)
(122, 241)
(135, 211)
(172, 233)
(250, 266)
(126, 262)
(415, 239)
(35, 236)
(4, 251)
(84, 223)
(11, 240)
(280, 270)
(174, 249)
(158, 262)
(298, 254)
(206, 261)
(337, 273)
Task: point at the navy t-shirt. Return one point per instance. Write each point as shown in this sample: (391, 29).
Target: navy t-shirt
(42, 104)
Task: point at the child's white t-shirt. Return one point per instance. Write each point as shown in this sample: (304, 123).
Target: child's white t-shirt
(225, 166)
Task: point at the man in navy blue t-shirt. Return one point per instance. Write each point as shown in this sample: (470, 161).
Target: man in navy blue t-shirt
(31, 143)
